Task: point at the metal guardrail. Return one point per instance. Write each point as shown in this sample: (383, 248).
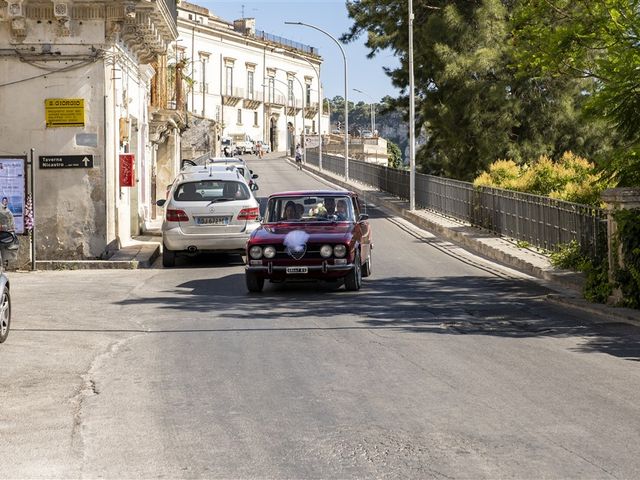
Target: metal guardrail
(541, 221)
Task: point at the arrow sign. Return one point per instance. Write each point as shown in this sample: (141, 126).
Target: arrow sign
(66, 161)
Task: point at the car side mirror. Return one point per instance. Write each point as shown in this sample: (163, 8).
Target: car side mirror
(161, 202)
(254, 176)
(254, 187)
(362, 217)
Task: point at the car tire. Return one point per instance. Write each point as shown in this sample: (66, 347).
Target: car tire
(366, 268)
(5, 314)
(168, 257)
(255, 284)
(353, 280)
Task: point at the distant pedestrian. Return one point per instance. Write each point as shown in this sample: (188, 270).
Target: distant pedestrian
(299, 156)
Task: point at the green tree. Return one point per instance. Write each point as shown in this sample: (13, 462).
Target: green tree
(597, 40)
(395, 155)
(473, 105)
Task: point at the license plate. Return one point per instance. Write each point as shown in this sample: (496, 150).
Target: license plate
(213, 220)
(297, 269)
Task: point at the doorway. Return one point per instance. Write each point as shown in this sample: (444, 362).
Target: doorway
(273, 134)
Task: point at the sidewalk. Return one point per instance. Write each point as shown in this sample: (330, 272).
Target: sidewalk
(567, 284)
(140, 252)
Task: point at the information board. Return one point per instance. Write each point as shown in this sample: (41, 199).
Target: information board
(64, 112)
(13, 188)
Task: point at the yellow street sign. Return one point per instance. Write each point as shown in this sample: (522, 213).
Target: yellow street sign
(64, 112)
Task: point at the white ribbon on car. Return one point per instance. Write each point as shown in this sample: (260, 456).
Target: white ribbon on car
(296, 243)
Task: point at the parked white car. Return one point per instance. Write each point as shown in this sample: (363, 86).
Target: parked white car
(222, 164)
(207, 211)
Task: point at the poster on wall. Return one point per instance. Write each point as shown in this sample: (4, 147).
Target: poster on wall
(12, 188)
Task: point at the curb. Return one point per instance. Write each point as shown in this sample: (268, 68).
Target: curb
(128, 258)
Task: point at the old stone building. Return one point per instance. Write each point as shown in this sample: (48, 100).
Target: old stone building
(89, 80)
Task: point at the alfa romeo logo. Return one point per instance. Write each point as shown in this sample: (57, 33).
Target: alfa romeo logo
(297, 252)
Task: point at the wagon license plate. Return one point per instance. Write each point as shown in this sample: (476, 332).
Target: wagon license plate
(297, 270)
(219, 220)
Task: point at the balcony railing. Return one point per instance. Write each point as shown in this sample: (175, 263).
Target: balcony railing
(234, 92)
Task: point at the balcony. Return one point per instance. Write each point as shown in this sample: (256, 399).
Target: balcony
(293, 108)
(311, 110)
(275, 100)
(232, 96)
(252, 100)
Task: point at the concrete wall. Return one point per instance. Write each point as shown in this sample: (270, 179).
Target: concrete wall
(70, 203)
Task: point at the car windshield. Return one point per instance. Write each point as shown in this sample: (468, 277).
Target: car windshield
(310, 208)
(211, 191)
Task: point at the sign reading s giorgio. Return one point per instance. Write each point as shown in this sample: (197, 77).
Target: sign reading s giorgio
(64, 112)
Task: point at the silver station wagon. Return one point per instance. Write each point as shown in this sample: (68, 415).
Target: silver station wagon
(207, 210)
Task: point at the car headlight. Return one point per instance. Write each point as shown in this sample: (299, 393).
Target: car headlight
(269, 252)
(255, 252)
(340, 250)
(326, 251)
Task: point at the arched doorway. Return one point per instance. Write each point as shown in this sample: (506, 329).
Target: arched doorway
(273, 134)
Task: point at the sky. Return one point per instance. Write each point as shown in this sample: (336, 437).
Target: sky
(329, 15)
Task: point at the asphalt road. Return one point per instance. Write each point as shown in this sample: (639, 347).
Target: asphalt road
(443, 366)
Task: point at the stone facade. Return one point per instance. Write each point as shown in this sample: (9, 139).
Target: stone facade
(110, 54)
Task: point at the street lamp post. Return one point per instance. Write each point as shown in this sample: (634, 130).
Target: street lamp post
(412, 119)
(317, 72)
(346, 96)
(372, 110)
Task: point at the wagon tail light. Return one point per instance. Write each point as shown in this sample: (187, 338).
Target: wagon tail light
(177, 216)
(249, 213)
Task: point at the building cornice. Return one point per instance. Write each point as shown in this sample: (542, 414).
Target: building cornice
(145, 26)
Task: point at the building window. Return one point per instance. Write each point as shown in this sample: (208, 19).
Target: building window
(313, 126)
(308, 94)
(272, 89)
(239, 116)
(255, 119)
(229, 78)
(250, 85)
(291, 96)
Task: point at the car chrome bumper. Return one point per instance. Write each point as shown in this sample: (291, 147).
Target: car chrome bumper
(281, 269)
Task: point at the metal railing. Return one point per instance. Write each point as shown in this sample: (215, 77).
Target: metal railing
(286, 42)
(540, 221)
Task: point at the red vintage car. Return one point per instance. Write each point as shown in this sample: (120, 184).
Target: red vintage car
(310, 235)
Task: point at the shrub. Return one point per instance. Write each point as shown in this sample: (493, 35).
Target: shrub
(571, 178)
